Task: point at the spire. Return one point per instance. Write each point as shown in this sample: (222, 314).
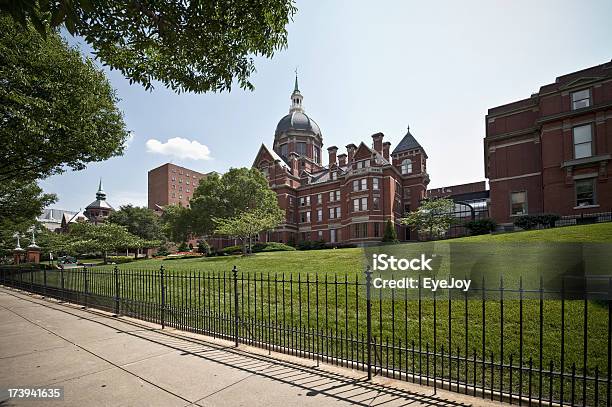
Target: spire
(100, 195)
(296, 98)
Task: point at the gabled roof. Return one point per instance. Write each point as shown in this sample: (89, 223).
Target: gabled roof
(407, 143)
(272, 153)
(380, 159)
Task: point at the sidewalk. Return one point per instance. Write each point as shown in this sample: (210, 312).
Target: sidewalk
(106, 361)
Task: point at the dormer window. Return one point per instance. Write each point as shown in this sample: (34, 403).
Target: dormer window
(581, 99)
(406, 166)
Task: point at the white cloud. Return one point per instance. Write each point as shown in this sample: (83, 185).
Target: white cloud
(179, 147)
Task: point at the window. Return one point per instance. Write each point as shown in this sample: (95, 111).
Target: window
(319, 215)
(187, 182)
(360, 184)
(334, 196)
(375, 183)
(173, 195)
(334, 213)
(332, 235)
(363, 164)
(317, 154)
(187, 190)
(407, 166)
(173, 186)
(265, 171)
(360, 204)
(360, 230)
(585, 192)
(305, 217)
(181, 196)
(583, 145)
(301, 148)
(334, 175)
(376, 203)
(180, 180)
(581, 99)
(305, 201)
(518, 202)
(319, 199)
(320, 235)
(377, 230)
(173, 178)
(180, 188)
(284, 150)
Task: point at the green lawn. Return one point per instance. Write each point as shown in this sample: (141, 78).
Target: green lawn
(287, 289)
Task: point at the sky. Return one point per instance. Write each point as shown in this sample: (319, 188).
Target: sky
(364, 67)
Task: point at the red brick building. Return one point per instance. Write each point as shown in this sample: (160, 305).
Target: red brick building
(171, 184)
(350, 198)
(551, 152)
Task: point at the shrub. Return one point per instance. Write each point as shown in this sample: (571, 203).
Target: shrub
(119, 259)
(390, 235)
(340, 245)
(526, 222)
(183, 247)
(312, 245)
(548, 219)
(203, 247)
(481, 226)
(271, 247)
(231, 250)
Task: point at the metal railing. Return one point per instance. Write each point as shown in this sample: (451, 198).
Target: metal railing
(507, 343)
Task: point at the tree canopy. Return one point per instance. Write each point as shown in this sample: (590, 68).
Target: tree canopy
(248, 224)
(139, 221)
(237, 191)
(57, 110)
(195, 46)
(434, 217)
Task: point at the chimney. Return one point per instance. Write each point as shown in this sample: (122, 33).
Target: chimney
(378, 142)
(342, 160)
(386, 148)
(351, 151)
(294, 163)
(332, 155)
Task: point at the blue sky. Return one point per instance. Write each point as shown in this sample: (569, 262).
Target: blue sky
(363, 67)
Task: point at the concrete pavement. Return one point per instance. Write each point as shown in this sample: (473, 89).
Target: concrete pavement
(106, 361)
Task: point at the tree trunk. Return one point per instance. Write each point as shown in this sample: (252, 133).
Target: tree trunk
(244, 246)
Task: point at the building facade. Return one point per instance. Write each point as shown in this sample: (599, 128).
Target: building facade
(349, 199)
(551, 152)
(171, 184)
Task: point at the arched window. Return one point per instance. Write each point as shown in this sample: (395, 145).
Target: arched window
(407, 166)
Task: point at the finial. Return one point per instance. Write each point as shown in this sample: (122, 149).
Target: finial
(296, 89)
(408, 126)
(100, 185)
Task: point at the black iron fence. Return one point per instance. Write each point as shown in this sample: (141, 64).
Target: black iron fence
(510, 343)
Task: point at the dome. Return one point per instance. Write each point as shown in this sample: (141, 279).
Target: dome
(297, 121)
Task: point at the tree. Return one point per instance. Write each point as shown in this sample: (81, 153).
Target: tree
(139, 221)
(193, 46)
(434, 216)
(175, 223)
(390, 236)
(248, 224)
(57, 111)
(20, 204)
(225, 197)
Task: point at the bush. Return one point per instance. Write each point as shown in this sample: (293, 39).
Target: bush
(531, 221)
(340, 245)
(548, 219)
(230, 250)
(119, 259)
(390, 236)
(204, 247)
(481, 226)
(183, 247)
(271, 247)
(526, 222)
(312, 245)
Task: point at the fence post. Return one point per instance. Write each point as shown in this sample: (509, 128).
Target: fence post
(45, 281)
(368, 274)
(116, 271)
(86, 286)
(163, 296)
(235, 272)
(62, 283)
